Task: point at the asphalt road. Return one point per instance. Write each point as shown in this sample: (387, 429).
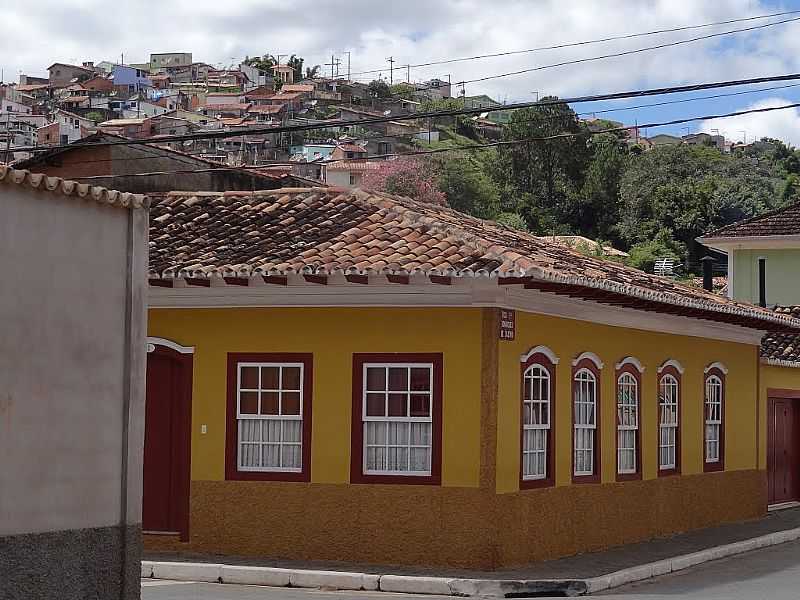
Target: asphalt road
(771, 573)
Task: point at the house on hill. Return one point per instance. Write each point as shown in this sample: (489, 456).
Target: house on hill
(362, 377)
(147, 168)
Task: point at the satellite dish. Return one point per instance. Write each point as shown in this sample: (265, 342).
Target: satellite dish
(386, 113)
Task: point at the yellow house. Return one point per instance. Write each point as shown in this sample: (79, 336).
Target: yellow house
(341, 375)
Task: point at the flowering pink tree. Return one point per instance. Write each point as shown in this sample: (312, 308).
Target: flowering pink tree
(412, 177)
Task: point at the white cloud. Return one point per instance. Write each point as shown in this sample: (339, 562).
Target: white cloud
(36, 34)
(780, 124)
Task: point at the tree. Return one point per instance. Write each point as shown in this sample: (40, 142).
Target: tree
(599, 207)
(297, 64)
(546, 175)
(262, 63)
(412, 177)
(379, 89)
(466, 185)
(404, 91)
(312, 72)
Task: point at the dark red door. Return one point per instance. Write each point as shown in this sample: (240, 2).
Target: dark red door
(782, 455)
(165, 503)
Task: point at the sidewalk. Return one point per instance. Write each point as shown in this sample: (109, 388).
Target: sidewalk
(575, 575)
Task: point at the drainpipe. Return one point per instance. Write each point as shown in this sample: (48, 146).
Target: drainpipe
(708, 273)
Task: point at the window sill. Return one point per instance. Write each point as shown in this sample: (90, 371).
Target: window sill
(578, 479)
(669, 472)
(629, 476)
(714, 467)
(535, 484)
(236, 475)
(360, 478)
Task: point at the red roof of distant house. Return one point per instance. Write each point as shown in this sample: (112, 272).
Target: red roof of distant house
(352, 148)
(355, 165)
(228, 107)
(287, 96)
(73, 99)
(224, 94)
(298, 88)
(266, 109)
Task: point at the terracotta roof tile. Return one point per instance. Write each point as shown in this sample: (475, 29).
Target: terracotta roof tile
(331, 230)
(783, 348)
(783, 221)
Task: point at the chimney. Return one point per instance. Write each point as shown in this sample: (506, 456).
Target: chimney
(708, 273)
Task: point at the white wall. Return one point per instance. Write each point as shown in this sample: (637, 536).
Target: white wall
(68, 362)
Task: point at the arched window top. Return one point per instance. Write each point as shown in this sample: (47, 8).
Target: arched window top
(551, 356)
(627, 379)
(630, 360)
(591, 356)
(713, 380)
(669, 378)
(716, 366)
(537, 370)
(585, 375)
(152, 342)
(671, 363)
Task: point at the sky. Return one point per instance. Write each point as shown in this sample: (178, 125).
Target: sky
(36, 34)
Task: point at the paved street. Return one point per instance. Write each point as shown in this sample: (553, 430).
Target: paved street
(772, 573)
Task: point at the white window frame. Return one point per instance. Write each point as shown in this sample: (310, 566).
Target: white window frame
(713, 418)
(259, 417)
(387, 419)
(529, 379)
(668, 381)
(589, 428)
(634, 427)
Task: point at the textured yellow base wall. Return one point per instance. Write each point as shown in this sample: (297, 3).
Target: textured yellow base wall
(455, 527)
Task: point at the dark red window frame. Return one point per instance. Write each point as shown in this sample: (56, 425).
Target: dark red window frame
(669, 370)
(632, 370)
(231, 430)
(541, 359)
(720, 464)
(357, 474)
(595, 477)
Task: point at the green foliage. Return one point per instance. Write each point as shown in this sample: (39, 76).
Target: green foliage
(95, 116)
(402, 90)
(467, 187)
(297, 64)
(644, 254)
(312, 72)
(546, 176)
(379, 89)
(513, 220)
(262, 63)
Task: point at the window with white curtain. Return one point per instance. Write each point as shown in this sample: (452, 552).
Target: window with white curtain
(668, 398)
(585, 421)
(536, 396)
(397, 418)
(269, 414)
(627, 423)
(713, 412)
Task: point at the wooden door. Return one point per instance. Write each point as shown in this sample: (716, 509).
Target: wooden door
(782, 454)
(165, 502)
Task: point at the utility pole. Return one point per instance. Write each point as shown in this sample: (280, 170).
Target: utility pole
(391, 69)
(348, 66)
(331, 64)
(338, 62)
(408, 74)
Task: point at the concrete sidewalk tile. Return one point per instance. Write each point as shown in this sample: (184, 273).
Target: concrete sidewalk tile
(631, 574)
(409, 584)
(186, 571)
(661, 567)
(326, 579)
(598, 584)
(268, 576)
(147, 569)
(689, 560)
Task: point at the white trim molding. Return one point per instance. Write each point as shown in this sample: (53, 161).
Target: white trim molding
(592, 357)
(543, 350)
(152, 342)
(755, 242)
(630, 360)
(777, 362)
(672, 363)
(716, 365)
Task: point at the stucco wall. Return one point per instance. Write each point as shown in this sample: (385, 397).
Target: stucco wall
(782, 275)
(477, 517)
(568, 339)
(72, 370)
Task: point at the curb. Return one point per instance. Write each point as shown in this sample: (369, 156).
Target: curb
(445, 586)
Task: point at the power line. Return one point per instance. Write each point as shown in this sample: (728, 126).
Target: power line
(477, 146)
(394, 137)
(586, 42)
(432, 114)
(623, 53)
